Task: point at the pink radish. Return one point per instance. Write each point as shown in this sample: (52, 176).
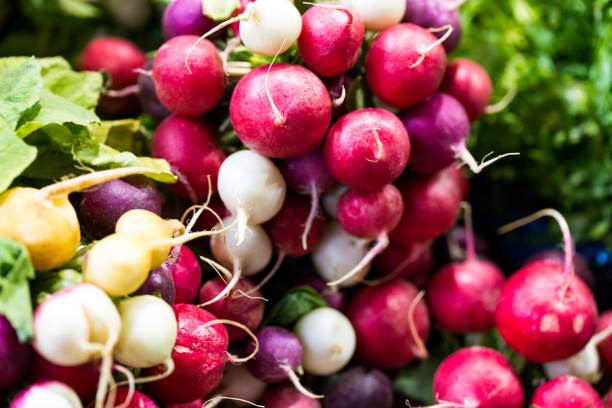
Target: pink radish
(470, 84)
(378, 15)
(566, 392)
(462, 296)
(47, 394)
(247, 310)
(431, 205)
(83, 379)
(191, 148)
(187, 276)
(188, 90)
(387, 317)
(369, 215)
(286, 396)
(280, 110)
(461, 179)
(605, 347)
(367, 149)
(138, 399)
(308, 175)
(411, 262)
(330, 39)
(417, 67)
(545, 312)
(477, 377)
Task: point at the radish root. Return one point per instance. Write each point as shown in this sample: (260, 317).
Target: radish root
(421, 351)
(131, 388)
(120, 93)
(465, 157)
(141, 71)
(425, 51)
(469, 232)
(398, 269)
(381, 243)
(296, 382)
(275, 268)
(106, 368)
(169, 364)
(312, 214)
(243, 219)
(503, 102)
(279, 119)
(214, 401)
(191, 236)
(233, 359)
(235, 277)
(336, 103)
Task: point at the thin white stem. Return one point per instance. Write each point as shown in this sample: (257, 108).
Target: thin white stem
(463, 154)
(279, 119)
(235, 359)
(142, 71)
(216, 400)
(381, 243)
(469, 232)
(503, 102)
(191, 236)
(131, 386)
(120, 93)
(230, 285)
(106, 368)
(601, 336)
(336, 103)
(169, 364)
(423, 53)
(398, 269)
(296, 382)
(421, 350)
(243, 220)
(312, 214)
(275, 268)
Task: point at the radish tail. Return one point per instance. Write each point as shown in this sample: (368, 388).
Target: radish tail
(233, 359)
(275, 268)
(421, 350)
(463, 155)
(469, 232)
(381, 243)
(230, 285)
(425, 51)
(296, 382)
(314, 209)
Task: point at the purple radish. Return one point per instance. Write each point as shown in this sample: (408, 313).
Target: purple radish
(47, 394)
(278, 358)
(190, 146)
(15, 357)
(370, 214)
(286, 396)
(281, 110)
(334, 298)
(417, 67)
(308, 175)
(434, 14)
(338, 88)
(184, 17)
(148, 97)
(367, 149)
(358, 387)
(160, 280)
(330, 39)
(101, 206)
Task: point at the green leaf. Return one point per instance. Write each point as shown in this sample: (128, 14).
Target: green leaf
(124, 135)
(15, 157)
(219, 9)
(15, 303)
(79, 8)
(49, 282)
(20, 90)
(299, 301)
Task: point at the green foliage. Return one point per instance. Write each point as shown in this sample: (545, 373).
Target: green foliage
(296, 303)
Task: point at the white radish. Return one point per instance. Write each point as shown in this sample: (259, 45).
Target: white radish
(328, 340)
(338, 253)
(330, 200)
(148, 332)
(51, 394)
(377, 15)
(251, 187)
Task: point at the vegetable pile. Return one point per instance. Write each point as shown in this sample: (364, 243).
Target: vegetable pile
(270, 229)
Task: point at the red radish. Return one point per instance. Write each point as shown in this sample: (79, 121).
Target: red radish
(431, 205)
(139, 400)
(462, 296)
(581, 265)
(47, 394)
(470, 84)
(188, 90)
(280, 110)
(411, 262)
(191, 148)
(367, 149)
(417, 67)
(286, 396)
(566, 392)
(119, 58)
(199, 355)
(456, 172)
(308, 175)
(330, 200)
(83, 379)
(245, 309)
(388, 317)
(477, 377)
(15, 357)
(605, 347)
(380, 14)
(545, 312)
(436, 13)
(330, 39)
(184, 17)
(193, 404)
(369, 215)
(187, 276)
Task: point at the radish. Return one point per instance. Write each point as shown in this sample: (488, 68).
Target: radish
(247, 310)
(332, 296)
(89, 330)
(328, 340)
(380, 15)
(239, 383)
(338, 253)
(438, 129)
(149, 102)
(192, 404)
(389, 316)
(605, 347)
(160, 281)
(191, 148)
(545, 312)
(308, 175)
(286, 396)
(581, 265)
(251, 188)
(148, 332)
(431, 205)
(278, 359)
(15, 357)
(331, 38)
(411, 262)
(436, 13)
(462, 296)
(477, 377)
(53, 235)
(183, 17)
(331, 199)
(188, 90)
(280, 110)
(417, 67)
(460, 178)
(187, 275)
(470, 84)
(199, 357)
(118, 58)
(83, 379)
(47, 394)
(367, 149)
(137, 400)
(566, 392)
(358, 387)
(369, 215)
(101, 207)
